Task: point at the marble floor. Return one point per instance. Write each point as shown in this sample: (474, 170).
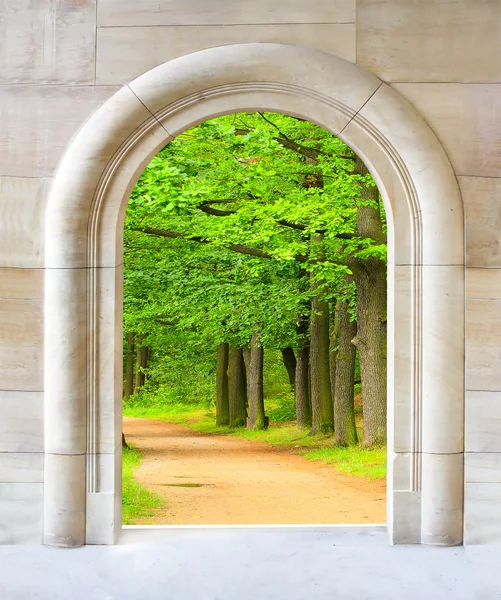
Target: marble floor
(251, 564)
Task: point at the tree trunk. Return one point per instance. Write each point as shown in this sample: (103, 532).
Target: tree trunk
(257, 419)
(333, 347)
(124, 443)
(222, 398)
(138, 379)
(302, 392)
(236, 387)
(142, 357)
(370, 280)
(129, 367)
(345, 431)
(321, 399)
(290, 364)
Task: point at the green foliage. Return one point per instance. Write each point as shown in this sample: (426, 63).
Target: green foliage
(263, 182)
(137, 501)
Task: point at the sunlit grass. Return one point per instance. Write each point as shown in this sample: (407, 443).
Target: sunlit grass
(353, 460)
(137, 501)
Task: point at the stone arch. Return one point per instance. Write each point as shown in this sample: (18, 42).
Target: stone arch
(83, 306)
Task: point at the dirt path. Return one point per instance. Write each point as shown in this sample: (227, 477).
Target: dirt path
(229, 480)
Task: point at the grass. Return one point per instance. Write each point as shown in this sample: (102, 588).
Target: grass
(353, 460)
(356, 461)
(137, 501)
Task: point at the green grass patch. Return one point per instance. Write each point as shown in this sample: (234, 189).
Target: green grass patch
(353, 460)
(137, 501)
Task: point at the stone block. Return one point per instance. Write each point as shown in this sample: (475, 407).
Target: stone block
(483, 344)
(430, 40)
(118, 60)
(22, 221)
(21, 345)
(21, 422)
(466, 121)
(38, 123)
(21, 513)
(223, 12)
(483, 421)
(47, 42)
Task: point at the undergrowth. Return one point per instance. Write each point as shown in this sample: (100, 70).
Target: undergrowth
(137, 501)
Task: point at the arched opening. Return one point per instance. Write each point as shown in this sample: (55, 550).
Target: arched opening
(425, 276)
(259, 239)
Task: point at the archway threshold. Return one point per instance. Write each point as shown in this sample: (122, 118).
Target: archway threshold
(132, 534)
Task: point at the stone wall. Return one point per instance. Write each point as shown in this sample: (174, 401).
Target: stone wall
(59, 61)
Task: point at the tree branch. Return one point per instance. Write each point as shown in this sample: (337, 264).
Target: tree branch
(240, 248)
(204, 207)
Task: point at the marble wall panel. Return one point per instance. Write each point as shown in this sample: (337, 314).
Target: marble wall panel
(47, 42)
(22, 212)
(118, 59)
(21, 422)
(38, 122)
(466, 119)
(482, 467)
(21, 345)
(21, 513)
(21, 284)
(481, 513)
(483, 344)
(430, 40)
(483, 284)
(19, 467)
(483, 421)
(223, 12)
(482, 204)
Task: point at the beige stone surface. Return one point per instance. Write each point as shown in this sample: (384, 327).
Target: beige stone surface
(482, 204)
(220, 12)
(21, 467)
(118, 59)
(21, 422)
(21, 284)
(483, 284)
(483, 421)
(22, 216)
(482, 467)
(430, 40)
(21, 345)
(21, 513)
(481, 508)
(38, 123)
(466, 121)
(49, 41)
(483, 344)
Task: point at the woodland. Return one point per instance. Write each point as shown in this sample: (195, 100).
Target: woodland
(255, 244)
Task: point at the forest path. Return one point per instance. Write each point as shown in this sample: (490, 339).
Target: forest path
(212, 479)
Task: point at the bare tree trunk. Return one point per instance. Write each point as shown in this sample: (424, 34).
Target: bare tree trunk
(124, 443)
(236, 387)
(302, 391)
(289, 359)
(321, 399)
(257, 419)
(222, 398)
(370, 280)
(129, 366)
(345, 431)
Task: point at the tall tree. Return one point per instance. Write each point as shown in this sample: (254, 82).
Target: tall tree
(236, 387)
(222, 396)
